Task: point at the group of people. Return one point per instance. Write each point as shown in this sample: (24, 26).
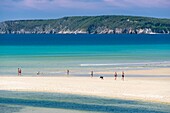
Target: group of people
(123, 75)
(68, 72)
(115, 75)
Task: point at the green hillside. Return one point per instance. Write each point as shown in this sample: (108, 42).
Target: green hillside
(88, 25)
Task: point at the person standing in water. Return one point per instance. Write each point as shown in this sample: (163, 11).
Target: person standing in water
(123, 75)
(115, 75)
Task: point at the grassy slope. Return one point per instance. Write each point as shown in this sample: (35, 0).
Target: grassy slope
(90, 23)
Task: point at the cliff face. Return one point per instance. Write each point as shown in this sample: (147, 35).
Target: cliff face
(88, 25)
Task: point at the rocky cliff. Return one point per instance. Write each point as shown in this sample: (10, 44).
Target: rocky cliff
(88, 25)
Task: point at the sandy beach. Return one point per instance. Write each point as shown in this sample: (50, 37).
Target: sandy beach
(152, 89)
(145, 72)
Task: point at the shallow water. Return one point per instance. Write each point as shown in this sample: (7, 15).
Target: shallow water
(11, 101)
(52, 55)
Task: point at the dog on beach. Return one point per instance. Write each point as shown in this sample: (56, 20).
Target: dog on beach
(101, 77)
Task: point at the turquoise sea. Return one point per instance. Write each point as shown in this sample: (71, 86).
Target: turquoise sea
(52, 55)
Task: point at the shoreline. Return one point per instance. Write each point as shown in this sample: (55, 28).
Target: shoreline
(156, 72)
(149, 89)
(145, 72)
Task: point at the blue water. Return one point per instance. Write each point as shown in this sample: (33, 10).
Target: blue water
(11, 101)
(52, 55)
(85, 39)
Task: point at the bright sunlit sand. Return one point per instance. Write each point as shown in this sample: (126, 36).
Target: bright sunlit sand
(154, 89)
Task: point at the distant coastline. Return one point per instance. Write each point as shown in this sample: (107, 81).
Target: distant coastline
(88, 25)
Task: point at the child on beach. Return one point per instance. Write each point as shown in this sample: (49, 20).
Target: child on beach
(123, 75)
(115, 75)
(38, 73)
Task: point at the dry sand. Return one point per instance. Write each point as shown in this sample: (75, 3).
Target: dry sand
(148, 89)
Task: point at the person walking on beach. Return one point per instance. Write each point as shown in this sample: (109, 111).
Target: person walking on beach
(68, 72)
(91, 73)
(123, 75)
(19, 72)
(115, 75)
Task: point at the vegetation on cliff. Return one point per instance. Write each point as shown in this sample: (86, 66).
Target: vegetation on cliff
(88, 25)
